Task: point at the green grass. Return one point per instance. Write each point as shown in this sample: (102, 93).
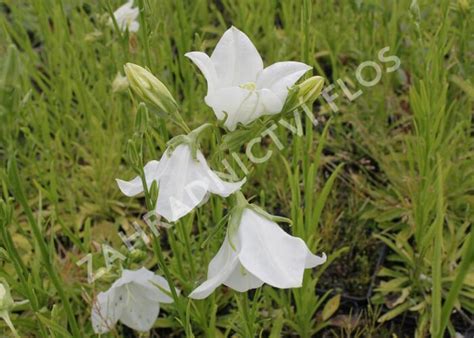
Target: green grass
(393, 167)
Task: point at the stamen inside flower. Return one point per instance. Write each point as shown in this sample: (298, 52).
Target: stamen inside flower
(249, 86)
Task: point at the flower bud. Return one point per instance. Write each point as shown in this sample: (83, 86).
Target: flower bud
(133, 154)
(304, 93)
(149, 88)
(141, 121)
(310, 89)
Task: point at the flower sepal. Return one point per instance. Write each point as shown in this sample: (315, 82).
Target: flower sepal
(192, 140)
(240, 203)
(270, 217)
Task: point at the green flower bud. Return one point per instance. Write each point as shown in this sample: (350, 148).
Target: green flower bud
(304, 93)
(149, 88)
(141, 121)
(133, 154)
(310, 89)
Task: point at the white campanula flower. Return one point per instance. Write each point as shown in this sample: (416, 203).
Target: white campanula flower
(184, 181)
(239, 89)
(126, 17)
(258, 252)
(134, 299)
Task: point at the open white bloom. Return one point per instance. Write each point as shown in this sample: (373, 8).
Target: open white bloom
(258, 252)
(184, 182)
(238, 85)
(134, 299)
(126, 17)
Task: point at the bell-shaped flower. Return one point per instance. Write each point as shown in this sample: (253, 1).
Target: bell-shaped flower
(134, 299)
(239, 89)
(126, 17)
(184, 181)
(257, 252)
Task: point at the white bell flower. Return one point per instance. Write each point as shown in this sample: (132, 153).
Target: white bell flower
(258, 252)
(134, 299)
(239, 89)
(126, 17)
(184, 182)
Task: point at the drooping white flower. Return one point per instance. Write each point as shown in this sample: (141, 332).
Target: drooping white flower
(258, 252)
(126, 17)
(134, 299)
(238, 85)
(183, 182)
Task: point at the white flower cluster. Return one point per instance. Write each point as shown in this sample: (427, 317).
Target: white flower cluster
(255, 250)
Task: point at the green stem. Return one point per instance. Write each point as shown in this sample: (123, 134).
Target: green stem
(174, 293)
(248, 313)
(188, 252)
(161, 259)
(143, 31)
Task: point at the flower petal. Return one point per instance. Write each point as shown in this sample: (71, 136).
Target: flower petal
(145, 283)
(271, 102)
(160, 284)
(236, 59)
(135, 186)
(183, 184)
(241, 280)
(139, 312)
(205, 65)
(106, 310)
(215, 184)
(239, 104)
(313, 260)
(220, 268)
(280, 76)
(270, 253)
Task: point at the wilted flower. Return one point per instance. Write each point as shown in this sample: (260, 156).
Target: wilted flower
(149, 88)
(134, 299)
(257, 252)
(239, 89)
(184, 182)
(126, 17)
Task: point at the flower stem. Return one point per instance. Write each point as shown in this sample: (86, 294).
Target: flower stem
(161, 259)
(174, 294)
(144, 32)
